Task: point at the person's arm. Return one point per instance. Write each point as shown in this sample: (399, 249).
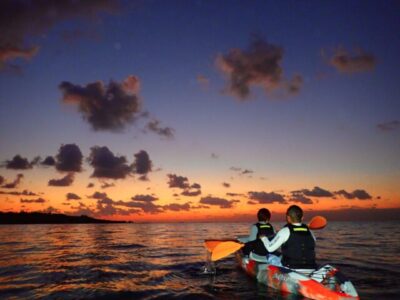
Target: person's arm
(251, 237)
(280, 238)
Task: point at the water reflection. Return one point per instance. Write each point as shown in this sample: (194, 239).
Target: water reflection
(150, 261)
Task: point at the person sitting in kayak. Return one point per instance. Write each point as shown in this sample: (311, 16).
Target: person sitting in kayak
(296, 241)
(253, 242)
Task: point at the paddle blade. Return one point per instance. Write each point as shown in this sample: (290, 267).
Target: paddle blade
(317, 222)
(224, 249)
(211, 244)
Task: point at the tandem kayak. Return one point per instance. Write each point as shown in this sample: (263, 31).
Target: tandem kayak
(326, 283)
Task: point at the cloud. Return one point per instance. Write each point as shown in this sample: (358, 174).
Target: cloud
(23, 193)
(389, 126)
(65, 181)
(22, 20)
(90, 185)
(315, 192)
(154, 126)
(265, 198)
(72, 196)
(49, 161)
(38, 200)
(191, 193)
(241, 171)
(344, 62)
(106, 185)
(222, 203)
(69, 158)
(181, 182)
(356, 194)
(105, 107)
(15, 183)
(98, 195)
(142, 164)
(107, 165)
(177, 207)
(225, 184)
(19, 163)
(1, 180)
(175, 181)
(145, 206)
(259, 65)
(144, 198)
(298, 197)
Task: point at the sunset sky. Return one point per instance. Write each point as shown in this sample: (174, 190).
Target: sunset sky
(199, 110)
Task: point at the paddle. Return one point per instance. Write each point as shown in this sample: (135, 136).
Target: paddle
(222, 248)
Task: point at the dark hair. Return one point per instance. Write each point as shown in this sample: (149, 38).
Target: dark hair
(263, 214)
(295, 213)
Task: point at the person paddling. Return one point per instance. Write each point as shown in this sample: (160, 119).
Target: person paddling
(296, 241)
(253, 242)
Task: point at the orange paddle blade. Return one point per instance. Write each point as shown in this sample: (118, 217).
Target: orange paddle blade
(224, 249)
(211, 244)
(317, 222)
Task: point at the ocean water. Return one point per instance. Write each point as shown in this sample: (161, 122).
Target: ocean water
(164, 261)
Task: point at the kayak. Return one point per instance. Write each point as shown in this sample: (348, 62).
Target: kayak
(326, 283)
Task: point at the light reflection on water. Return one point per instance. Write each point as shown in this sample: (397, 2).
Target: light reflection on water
(158, 261)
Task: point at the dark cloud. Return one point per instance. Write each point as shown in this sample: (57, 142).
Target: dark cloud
(241, 171)
(144, 198)
(260, 65)
(23, 193)
(191, 193)
(107, 165)
(222, 203)
(142, 164)
(22, 20)
(356, 194)
(234, 194)
(98, 195)
(105, 107)
(298, 197)
(106, 185)
(72, 196)
(38, 200)
(316, 192)
(19, 163)
(65, 181)
(154, 126)
(265, 198)
(225, 184)
(175, 181)
(90, 185)
(177, 207)
(344, 62)
(389, 126)
(69, 158)
(2, 180)
(49, 161)
(145, 206)
(181, 182)
(15, 183)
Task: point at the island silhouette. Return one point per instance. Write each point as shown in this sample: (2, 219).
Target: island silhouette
(48, 218)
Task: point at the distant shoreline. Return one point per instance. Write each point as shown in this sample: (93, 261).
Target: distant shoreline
(10, 218)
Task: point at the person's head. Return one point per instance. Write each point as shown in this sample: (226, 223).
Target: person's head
(263, 215)
(294, 214)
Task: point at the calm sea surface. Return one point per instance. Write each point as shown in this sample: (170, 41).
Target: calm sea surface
(164, 261)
